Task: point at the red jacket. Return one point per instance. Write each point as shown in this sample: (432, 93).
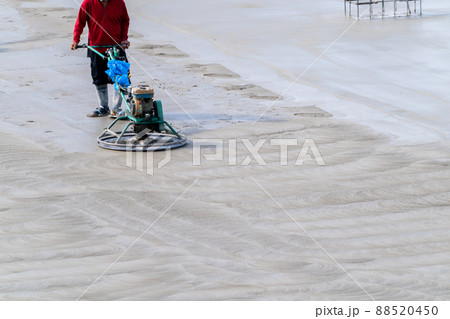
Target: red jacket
(107, 26)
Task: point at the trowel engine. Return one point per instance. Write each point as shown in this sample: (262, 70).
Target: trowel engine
(143, 106)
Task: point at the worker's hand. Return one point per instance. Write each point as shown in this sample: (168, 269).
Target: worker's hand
(125, 44)
(74, 45)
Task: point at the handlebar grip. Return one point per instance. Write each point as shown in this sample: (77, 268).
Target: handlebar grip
(82, 46)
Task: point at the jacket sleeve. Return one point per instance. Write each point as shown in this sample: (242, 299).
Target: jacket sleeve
(125, 23)
(81, 22)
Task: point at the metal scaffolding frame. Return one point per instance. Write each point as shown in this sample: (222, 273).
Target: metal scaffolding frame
(412, 7)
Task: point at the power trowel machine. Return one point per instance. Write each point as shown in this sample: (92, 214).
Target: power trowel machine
(145, 129)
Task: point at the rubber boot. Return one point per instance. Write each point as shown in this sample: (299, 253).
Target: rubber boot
(117, 102)
(103, 109)
(102, 94)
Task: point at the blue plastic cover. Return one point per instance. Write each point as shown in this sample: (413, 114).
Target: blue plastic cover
(118, 72)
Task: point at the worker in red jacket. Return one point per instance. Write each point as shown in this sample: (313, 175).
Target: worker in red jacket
(108, 24)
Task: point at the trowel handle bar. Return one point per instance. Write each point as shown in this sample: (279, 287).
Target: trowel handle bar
(85, 46)
(91, 47)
